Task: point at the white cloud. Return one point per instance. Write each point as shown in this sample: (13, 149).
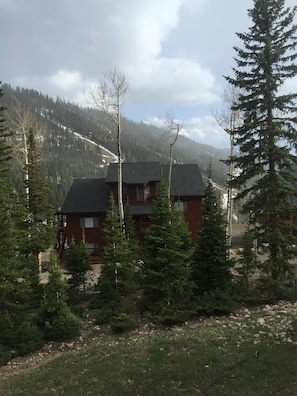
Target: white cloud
(202, 129)
(173, 52)
(174, 81)
(206, 130)
(66, 81)
(66, 47)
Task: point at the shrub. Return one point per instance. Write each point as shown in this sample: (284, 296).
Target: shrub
(60, 325)
(104, 297)
(171, 315)
(217, 302)
(108, 312)
(123, 322)
(273, 290)
(5, 355)
(28, 338)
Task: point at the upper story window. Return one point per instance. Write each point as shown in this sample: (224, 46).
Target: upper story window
(136, 193)
(183, 206)
(89, 222)
(133, 193)
(147, 192)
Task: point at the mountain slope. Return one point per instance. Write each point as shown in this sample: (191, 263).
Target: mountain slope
(75, 142)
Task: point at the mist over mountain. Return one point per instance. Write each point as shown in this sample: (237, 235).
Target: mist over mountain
(76, 142)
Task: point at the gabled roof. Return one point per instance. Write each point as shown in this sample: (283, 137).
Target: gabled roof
(134, 172)
(92, 195)
(186, 179)
(87, 196)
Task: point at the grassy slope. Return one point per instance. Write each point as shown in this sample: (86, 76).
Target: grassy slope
(246, 354)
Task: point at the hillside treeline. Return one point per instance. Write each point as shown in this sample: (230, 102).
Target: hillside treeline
(70, 140)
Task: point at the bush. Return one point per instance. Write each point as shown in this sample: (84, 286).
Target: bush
(74, 296)
(104, 298)
(5, 355)
(123, 322)
(61, 325)
(217, 302)
(273, 291)
(171, 315)
(107, 313)
(28, 338)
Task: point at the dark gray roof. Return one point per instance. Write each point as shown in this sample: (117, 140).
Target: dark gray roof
(86, 196)
(134, 172)
(186, 179)
(92, 195)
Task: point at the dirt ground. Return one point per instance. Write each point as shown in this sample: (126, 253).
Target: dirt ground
(237, 231)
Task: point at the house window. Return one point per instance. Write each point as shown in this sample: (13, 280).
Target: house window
(136, 193)
(89, 222)
(93, 248)
(147, 193)
(181, 205)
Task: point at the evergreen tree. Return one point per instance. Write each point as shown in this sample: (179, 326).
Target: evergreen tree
(130, 236)
(14, 289)
(35, 230)
(129, 224)
(55, 318)
(166, 284)
(248, 261)
(78, 265)
(182, 230)
(211, 264)
(268, 135)
(117, 266)
(40, 212)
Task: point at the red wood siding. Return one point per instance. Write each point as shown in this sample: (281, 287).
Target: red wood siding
(95, 235)
(193, 215)
(92, 235)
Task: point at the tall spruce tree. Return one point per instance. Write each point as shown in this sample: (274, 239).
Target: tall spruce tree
(267, 136)
(211, 264)
(14, 290)
(40, 212)
(55, 317)
(78, 265)
(166, 280)
(117, 276)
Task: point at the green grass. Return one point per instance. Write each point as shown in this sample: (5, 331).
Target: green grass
(252, 354)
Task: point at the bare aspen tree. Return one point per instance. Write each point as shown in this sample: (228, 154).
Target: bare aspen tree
(228, 119)
(108, 97)
(172, 129)
(21, 121)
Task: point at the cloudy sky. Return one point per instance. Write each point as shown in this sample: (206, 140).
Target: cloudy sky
(174, 53)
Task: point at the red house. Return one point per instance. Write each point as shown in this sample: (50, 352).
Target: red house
(87, 201)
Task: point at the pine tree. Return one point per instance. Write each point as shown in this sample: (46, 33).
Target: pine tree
(268, 135)
(55, 318)
(117, 267)
(211, 264)
(166, 283)
(40, 213)
(130, 235)
(14, 289)
(78, 265)
(248, 261)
